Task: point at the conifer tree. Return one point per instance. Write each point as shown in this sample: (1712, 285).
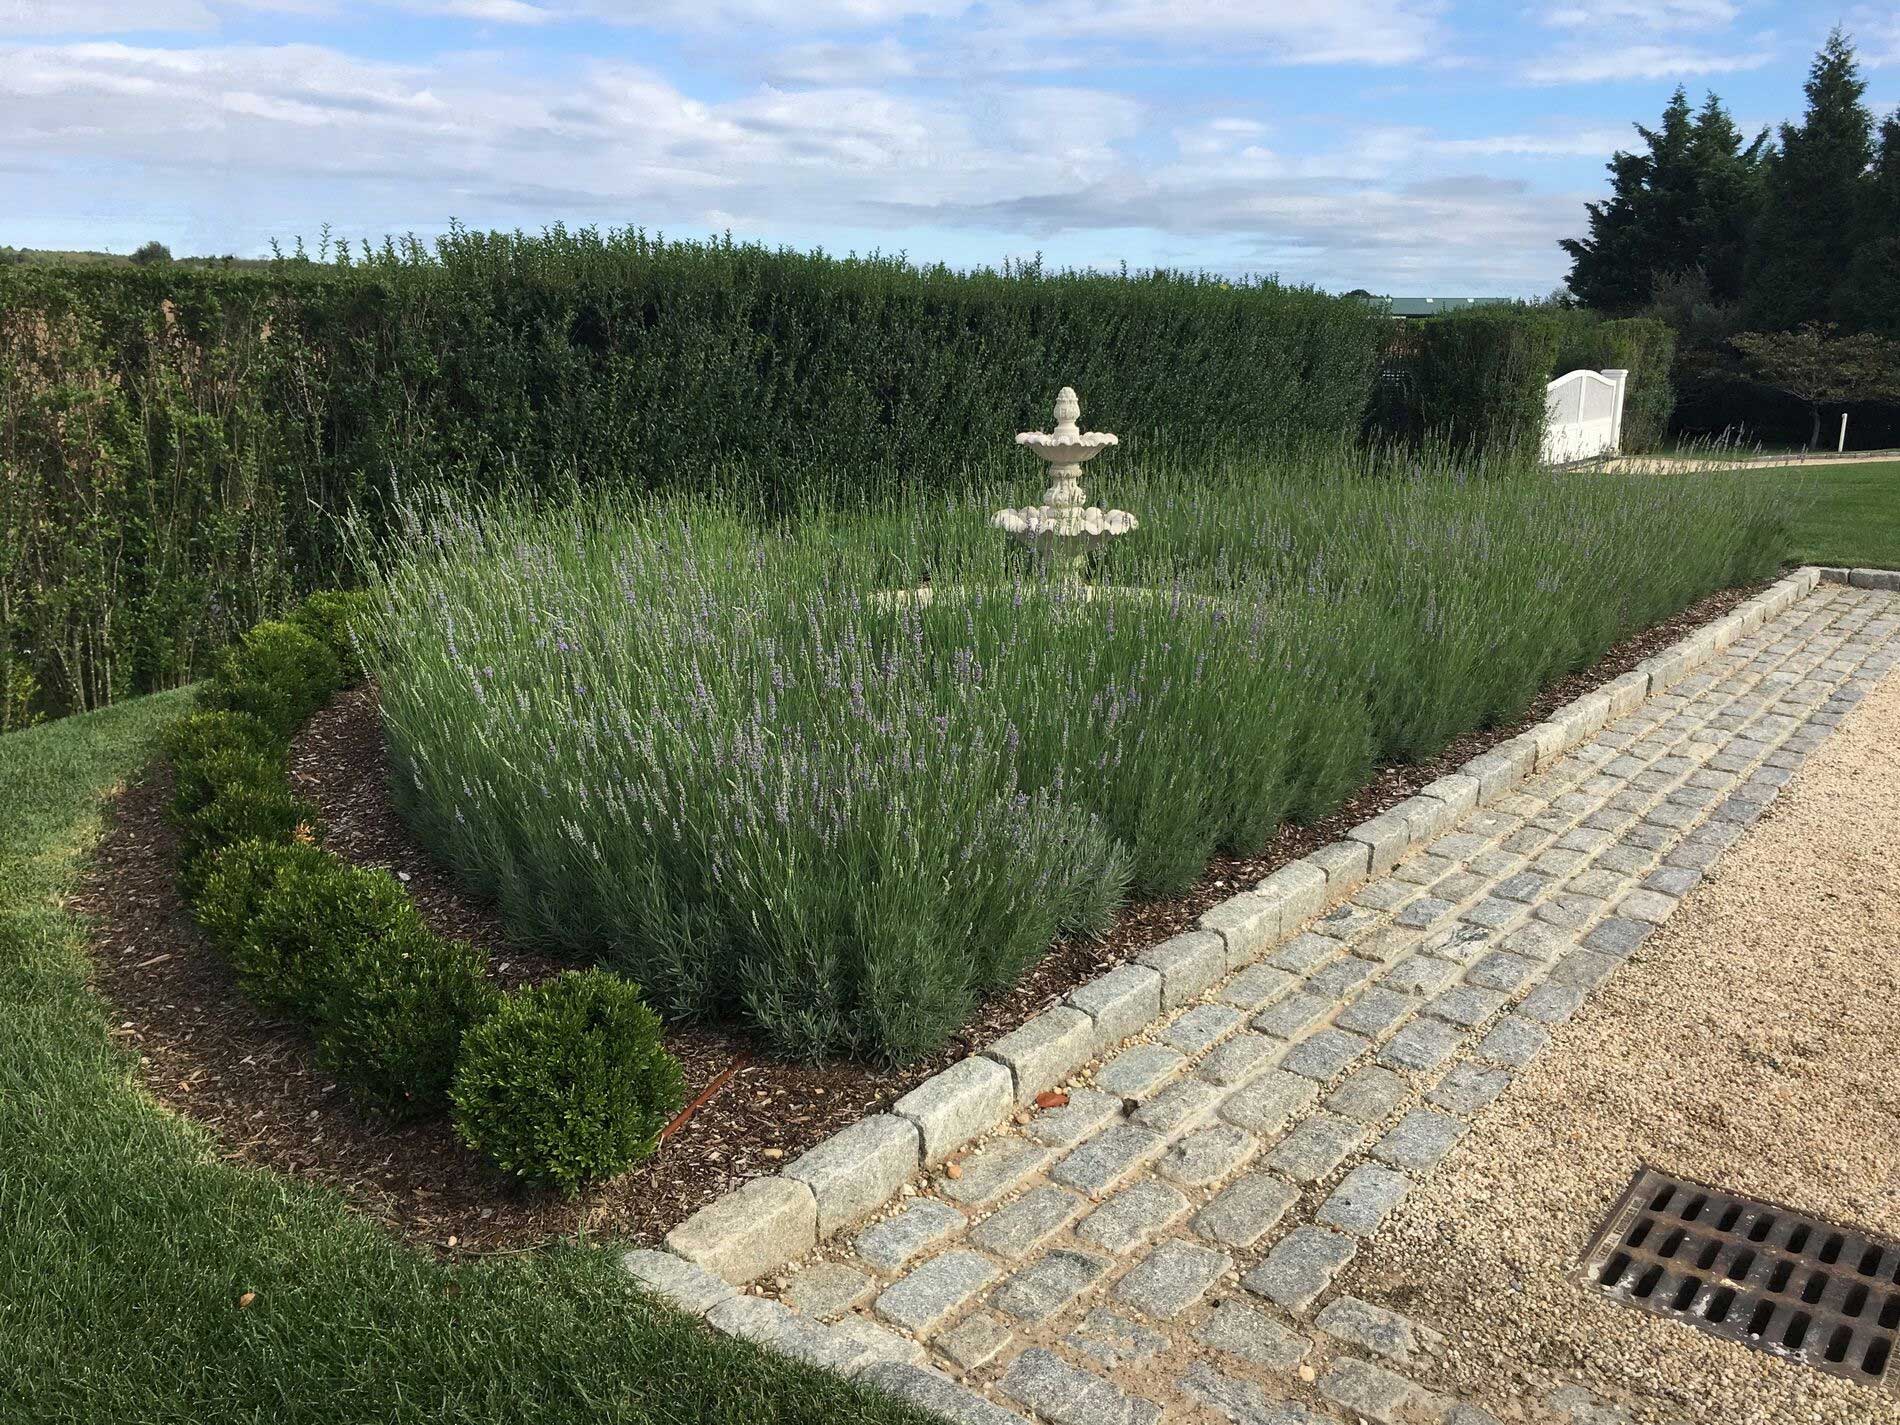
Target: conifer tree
(1869, 298)
(1684, 205)
(1805, 238)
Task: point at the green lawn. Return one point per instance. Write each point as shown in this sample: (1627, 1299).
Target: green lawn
(125, 1244)
(1843, 514)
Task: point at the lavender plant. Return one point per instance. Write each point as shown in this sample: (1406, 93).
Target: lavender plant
(745, 764)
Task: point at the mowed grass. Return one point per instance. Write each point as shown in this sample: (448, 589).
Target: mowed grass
(1843, 514)
(125, 1244)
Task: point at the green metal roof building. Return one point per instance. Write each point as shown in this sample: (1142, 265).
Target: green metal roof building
(1433, 306)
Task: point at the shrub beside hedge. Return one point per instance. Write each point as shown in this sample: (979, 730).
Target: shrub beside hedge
(340, 949)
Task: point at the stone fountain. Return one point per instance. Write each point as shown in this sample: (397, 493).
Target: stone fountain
(1064, 527)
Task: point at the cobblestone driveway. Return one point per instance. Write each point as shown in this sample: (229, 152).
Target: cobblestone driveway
(1163, 1246)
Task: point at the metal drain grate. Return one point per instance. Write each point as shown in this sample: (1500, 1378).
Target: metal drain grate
(1750, 1271)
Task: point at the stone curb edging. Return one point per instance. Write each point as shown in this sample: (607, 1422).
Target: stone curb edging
(769, 1221)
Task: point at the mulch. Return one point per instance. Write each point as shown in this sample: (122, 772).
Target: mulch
(206, 1053)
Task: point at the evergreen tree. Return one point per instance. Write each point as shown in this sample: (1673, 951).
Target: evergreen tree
(1728, 175)
(1811, 199)
(1869, 298)
(1652, 200)
(1685, 204)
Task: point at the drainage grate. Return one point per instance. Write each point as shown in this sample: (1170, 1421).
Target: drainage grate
(1750, 1271)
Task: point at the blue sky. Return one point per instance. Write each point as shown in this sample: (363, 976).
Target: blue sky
(1406, 146)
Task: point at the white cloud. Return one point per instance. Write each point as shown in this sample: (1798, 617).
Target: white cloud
(826, 62)
(1579, 143)
(1876, 30)
(1595, 64)
(1382, 32)
(253, 141)
(1607, 17)
(106, 17)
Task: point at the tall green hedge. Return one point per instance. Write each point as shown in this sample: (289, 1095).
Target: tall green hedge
(174, 443)
(1473, 379)
(1476, 378)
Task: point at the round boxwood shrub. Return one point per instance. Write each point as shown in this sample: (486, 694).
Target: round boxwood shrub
(566, 1083)
(336, 618)
(315, 914)
(237, 880)
(276, 673)
(198, 735)
(242, 810)
(390, 1013)
(199, 778)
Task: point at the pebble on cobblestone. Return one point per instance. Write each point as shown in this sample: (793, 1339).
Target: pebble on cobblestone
(1071, 1122)
(992, 1171)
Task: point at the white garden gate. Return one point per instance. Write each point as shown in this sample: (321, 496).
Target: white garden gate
(1583, 415)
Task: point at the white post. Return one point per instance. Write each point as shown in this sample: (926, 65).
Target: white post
(1841, 449)
(1621, 377)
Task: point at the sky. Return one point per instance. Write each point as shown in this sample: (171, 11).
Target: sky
(1412, 147)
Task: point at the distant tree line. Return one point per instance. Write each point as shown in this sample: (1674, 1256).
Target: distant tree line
(1776, 258)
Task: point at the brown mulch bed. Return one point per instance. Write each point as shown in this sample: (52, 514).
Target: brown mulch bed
(206, 1053)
